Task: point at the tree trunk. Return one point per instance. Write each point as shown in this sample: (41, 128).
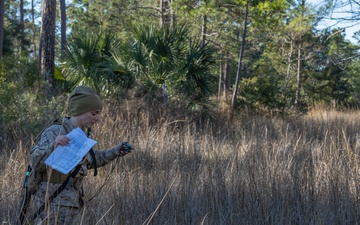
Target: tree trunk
(162, 13)
(226, 87)
(63, 24)
(22, 33)
(299, 64)
(2, 11)
(203, 30)
(47, 43)
(166, 18)
(298, 77)
(221, 79)
(41, 31)
(34, 28)
(233, 102)
(224, 80)
(173, 16)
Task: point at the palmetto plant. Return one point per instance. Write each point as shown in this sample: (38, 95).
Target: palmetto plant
(159, 60)
(89, 60)
(169, 57)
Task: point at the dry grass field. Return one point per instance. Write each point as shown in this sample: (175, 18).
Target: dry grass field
(255, 170)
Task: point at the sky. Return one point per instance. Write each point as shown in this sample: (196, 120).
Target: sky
(350, 27)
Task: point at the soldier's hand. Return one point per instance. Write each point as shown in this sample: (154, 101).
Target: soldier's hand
(61, 140)
(123, 149)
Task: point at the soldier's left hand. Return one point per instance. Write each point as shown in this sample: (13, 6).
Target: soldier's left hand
(123, 149)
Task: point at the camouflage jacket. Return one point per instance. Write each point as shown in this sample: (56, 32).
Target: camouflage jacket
(51, 179)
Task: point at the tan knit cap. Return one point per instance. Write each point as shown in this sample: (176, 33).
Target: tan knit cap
(83, 99)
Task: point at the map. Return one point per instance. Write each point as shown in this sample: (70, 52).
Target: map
(65, 158)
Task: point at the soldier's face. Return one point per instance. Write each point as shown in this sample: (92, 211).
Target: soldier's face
(89, 119)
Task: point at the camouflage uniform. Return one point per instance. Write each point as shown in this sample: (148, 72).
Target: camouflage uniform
(65, 208)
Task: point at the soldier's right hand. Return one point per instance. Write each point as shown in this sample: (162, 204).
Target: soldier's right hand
(61, 140)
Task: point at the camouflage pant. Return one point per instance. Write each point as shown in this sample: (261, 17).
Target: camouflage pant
(60, 215)
(64, 209)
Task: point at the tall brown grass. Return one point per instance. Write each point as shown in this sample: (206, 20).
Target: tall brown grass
(255, 170)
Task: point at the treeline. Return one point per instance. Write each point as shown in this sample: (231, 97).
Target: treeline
(263, 55)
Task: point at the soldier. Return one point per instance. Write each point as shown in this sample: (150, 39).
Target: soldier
(84, 107)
